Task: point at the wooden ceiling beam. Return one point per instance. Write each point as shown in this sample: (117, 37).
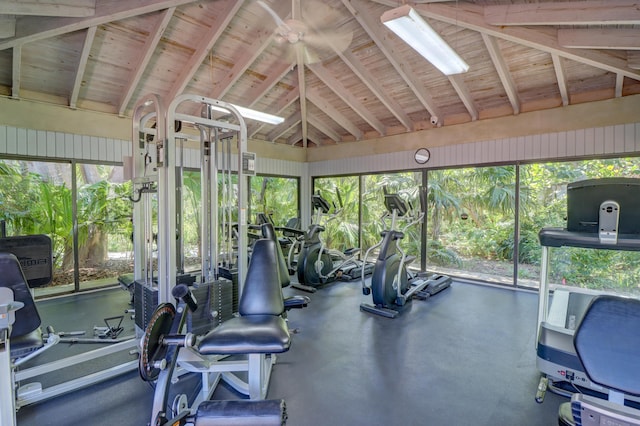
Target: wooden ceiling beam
(503, 71)
(277, 108)
(260, 38)
(7, 26)
(561, 78)
(68, 8)
(609, 12)
(372, 83)
(227, 10)
(277, 73)
(302, 91)
(16, 72)
(471, 16)
(619, 85)
(147, 52)
(295, 137)
(82, 65)
(347, 97)
(33, 28)
(318, 100)
(282, 128)
(633, 59)
(600, 38)
(374, 28)
(324, 129)
(462, 90)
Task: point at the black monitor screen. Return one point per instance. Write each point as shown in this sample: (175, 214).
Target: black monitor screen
(584, 199)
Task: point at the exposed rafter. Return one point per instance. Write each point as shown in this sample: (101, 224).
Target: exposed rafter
(318, 100)
(344, 94)
(17, 63)
(609, 12)
(633, 60)
(227, 9)
(561, 77)
(374, 29)
(472, 17)
(82, 64)
(335, 136)
(461, 89)
(503, 71)
(370, 81)
(370, 86)
(68, 8)
(147, 53)
(32, 29)
(286, 125)
(7, 26)
(600, 38)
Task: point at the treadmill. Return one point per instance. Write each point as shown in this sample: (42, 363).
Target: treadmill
(602, 214)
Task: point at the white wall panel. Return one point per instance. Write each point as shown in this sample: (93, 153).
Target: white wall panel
(3, 138)
(32, 142)
(21, 143)
(12, 140)
(621, 139)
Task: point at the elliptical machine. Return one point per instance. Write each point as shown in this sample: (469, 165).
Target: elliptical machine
(392, 285)
(317, 264)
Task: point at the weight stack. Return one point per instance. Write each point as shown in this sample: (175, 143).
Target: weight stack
(215, 306)
(232, 275)
(145, 301)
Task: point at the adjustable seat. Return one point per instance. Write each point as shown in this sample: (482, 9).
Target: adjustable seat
(291, 302)
(260, 329)
(26, 335)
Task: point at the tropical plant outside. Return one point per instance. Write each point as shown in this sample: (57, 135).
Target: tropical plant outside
(470, 215)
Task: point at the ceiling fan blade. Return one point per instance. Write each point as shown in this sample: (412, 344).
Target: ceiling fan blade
(336, 41)
(274, 15)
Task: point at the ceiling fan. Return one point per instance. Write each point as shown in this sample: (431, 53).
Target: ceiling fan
(315, 34)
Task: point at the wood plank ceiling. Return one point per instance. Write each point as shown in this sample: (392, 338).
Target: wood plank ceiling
(523, 55)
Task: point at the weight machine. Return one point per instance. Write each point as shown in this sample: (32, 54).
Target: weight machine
(26, 261)
(165, 359)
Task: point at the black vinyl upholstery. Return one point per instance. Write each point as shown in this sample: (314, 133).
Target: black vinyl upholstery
(607, 342)
(242, 412)
(283, 271)
(11, 276)
(26, 335)
(260, 327)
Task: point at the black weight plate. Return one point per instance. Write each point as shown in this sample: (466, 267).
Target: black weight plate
(152, 349)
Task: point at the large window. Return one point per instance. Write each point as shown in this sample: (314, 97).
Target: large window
(342, 222)
(471, 222)
(37, 198)
(543, 204)
(406, 185)
(104, 211)
(275, 196)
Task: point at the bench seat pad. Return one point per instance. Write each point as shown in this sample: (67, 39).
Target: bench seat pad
(261, 334)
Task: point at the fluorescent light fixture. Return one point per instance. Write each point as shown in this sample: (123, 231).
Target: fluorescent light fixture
(252, 114)
(409, 26)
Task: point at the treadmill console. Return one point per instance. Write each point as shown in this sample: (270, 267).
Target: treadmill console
(606, 204)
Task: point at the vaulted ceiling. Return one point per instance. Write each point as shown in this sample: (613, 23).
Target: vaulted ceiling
(360, 81)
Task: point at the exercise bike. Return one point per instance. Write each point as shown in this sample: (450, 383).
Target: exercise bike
(392, 284)
(317, 264)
